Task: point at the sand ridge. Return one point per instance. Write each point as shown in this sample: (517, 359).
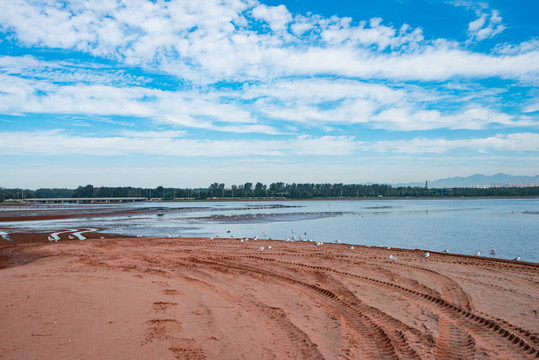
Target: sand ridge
(222, 299)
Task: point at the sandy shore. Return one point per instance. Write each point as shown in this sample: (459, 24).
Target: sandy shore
(223, 299)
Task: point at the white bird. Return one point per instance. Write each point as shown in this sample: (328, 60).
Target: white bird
(389, 247)
(71, 237)
(268, 247)
(51, 238)
(241, 240)
(255, 238)
(426, 255)
(338, 241)
(517, 258)
(169, 236)
(477, 253)
(260, 248)
(351, 247)
(319, 243)
(391, 257)
(446, 251)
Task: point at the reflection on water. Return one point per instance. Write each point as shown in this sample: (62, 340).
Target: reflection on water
(510, 226)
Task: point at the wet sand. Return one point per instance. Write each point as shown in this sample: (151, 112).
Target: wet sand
(138, 298)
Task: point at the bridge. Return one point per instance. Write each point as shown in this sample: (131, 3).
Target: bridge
(85, 200)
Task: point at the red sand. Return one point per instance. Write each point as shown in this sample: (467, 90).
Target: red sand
(222, 299)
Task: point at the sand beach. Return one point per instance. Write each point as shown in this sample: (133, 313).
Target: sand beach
(138, 298)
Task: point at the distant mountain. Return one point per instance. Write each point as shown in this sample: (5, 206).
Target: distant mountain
(477, 180)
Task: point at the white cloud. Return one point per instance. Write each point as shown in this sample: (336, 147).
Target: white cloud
(277, 17)
(517, 142)
(472, 118)
(486, 26)
(57, 142)
(488, 22)
(209, 41)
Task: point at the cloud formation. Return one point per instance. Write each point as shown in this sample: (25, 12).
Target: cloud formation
(243, 79)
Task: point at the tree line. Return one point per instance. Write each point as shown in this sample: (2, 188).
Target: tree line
(277, 190)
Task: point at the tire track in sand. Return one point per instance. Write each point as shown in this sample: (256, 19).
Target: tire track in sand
(510, 341)
(365, 336)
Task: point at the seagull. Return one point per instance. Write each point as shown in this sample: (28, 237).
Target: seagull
(477, 253)
(71, 237)
(389, 247)
(446, 251)
(351, 247)
(517, 258)
(391, 257)
(492, 252)
(260, 248)
(319, 243)
(426, 255)
(268, 247)
(338, 241)
(241, 240)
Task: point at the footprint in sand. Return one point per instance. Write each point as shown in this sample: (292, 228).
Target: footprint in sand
(163, 306)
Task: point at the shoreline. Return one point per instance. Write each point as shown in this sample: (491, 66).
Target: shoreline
(211, 200)
(222, 299)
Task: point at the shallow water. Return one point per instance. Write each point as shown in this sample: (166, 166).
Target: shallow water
(510, 226)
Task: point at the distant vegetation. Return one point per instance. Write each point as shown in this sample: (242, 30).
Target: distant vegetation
(274, 190)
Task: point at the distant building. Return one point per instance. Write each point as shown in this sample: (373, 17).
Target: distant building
(516, 185)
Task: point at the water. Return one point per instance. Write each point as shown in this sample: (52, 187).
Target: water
(510, 226)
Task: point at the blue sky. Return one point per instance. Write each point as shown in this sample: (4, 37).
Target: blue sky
(187, 93)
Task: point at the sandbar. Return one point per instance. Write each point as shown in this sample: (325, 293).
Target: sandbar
(194, 298)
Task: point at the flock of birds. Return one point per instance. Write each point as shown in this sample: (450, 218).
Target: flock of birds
(78, 234)
(294, 238)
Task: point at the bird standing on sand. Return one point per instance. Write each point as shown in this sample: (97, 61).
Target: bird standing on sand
(260, 248)
(477, 253)
(517, 258)
(446, 251)
(426, 255)
(351, 247)
(391, 257)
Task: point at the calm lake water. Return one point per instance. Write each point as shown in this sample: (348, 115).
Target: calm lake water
(510, 226)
